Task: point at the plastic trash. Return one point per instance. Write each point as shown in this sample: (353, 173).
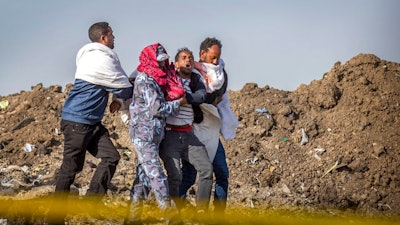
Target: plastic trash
(125, 116)
(253, 160)
(319, 149)
(284, 139)
(28, 147)
(304, 137)
(264, 112)
(36, 182)
(4, 104)
(317, 157)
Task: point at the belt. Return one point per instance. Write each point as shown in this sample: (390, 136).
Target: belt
(180, 128)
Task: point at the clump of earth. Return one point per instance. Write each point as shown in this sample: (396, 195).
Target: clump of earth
(331, 144)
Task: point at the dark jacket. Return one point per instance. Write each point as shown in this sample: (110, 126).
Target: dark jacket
(195, 85)
(87, 102)
(210, 97)
(198, 89)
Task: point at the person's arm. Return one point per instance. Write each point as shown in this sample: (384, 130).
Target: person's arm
(148, 97)
(120, 98)
(169, 108)
(124, 93)
(198, 88)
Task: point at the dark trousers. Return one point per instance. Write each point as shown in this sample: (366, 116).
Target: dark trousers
(95, 139)
(186, 146)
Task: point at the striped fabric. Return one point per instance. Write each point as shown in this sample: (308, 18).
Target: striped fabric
(185, 115)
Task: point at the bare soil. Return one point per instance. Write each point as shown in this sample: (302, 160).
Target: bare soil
(349, 161)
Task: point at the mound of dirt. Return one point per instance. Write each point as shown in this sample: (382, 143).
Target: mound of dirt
(331, 144)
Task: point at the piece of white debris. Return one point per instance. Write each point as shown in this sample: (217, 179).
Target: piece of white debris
(304, 137)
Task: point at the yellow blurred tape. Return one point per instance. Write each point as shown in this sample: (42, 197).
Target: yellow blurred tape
(35, 211)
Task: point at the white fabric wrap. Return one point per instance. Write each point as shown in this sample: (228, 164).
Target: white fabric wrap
(229, 122)
(99, 64)
(208, 130)
(215, 74)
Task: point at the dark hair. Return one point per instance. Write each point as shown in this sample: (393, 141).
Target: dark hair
(98, 29)
(208, 42)
(184, 49)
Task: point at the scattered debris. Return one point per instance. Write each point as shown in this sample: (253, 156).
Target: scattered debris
(319, 149)
(384, 205)
(330, 169)
(29, 147)
(253, 160)
(264, 112)
(261, 111)
(4, 104)
(317, 157)
(304, 137)
(22, 124)
(285, 189)
(271, 169)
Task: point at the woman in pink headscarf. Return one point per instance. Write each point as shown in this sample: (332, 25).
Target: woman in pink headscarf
(157, 94)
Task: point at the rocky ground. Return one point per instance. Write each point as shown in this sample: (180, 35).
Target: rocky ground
(331, 144)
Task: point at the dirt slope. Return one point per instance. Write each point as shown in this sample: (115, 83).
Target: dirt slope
(350, 159)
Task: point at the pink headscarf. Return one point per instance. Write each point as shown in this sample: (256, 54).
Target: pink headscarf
(166, 77)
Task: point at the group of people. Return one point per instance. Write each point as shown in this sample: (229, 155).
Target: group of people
(177, 112)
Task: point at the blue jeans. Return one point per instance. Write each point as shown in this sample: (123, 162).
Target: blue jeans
(221, 172)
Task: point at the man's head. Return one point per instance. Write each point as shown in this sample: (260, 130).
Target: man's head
(210, 50)
(184, 62)
(101, 32)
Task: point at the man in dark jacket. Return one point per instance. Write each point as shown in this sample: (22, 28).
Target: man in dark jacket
(98, 73)
(180, 141)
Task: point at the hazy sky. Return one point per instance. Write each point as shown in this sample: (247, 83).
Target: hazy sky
(277, 43)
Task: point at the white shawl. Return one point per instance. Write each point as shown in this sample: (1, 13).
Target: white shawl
(217, 120)
(212, 75)
(208, 130)
(229, 121)
(99, 64)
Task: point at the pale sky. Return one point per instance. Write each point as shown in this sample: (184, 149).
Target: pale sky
(282, 43)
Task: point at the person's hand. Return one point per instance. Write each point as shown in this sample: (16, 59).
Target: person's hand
(183, 100)
(115, 106)
(217, 100)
